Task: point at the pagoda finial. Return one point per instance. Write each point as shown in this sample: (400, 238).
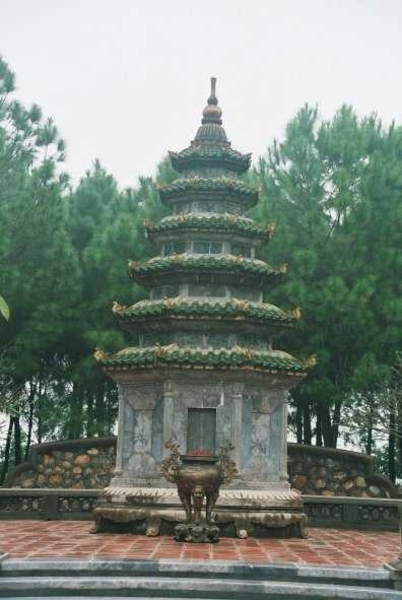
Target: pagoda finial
(212, 113)
(213, 99)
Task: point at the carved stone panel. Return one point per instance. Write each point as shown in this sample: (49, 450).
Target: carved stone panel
(141, 429)
(263, 435)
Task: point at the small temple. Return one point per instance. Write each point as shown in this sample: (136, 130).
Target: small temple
(203, 369)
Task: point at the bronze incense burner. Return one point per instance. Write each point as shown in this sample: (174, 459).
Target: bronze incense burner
(198, 477)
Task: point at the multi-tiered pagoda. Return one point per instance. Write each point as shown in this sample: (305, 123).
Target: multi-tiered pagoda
(203, 369)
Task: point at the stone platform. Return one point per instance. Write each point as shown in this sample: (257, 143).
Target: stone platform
(276, 512)
(28, 540)
(62, 559)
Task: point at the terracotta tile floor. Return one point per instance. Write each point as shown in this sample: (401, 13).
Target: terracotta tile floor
(62, 539)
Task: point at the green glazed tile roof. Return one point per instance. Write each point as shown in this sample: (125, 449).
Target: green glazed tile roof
(211, 132)
(220, 223)
(188, 263)
(225, 185)
(184, 308)
(210, 155)
(174, 356)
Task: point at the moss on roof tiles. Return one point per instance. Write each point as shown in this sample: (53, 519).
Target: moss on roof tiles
(184, 308)
(189, 263)
(174, 356)
(220, 223)
(207, 155)
(224, 185)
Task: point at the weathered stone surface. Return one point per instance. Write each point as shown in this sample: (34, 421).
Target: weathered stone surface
(339, 475)
(28, 483)
(302, 461)
(299, 481)
(82, 459)
(55, 480)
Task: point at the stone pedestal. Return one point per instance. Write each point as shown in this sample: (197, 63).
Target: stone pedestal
(251, 413)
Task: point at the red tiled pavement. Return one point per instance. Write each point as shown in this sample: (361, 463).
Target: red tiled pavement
(71, 539)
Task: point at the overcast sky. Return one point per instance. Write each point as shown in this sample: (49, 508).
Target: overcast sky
(126, 80)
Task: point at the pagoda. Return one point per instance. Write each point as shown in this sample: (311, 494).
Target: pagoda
(202, 369)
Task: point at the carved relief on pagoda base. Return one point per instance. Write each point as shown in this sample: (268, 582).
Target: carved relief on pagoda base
(140, 445)
(263, 435)
(250, 415)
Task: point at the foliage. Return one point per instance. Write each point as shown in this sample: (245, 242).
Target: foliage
(4, 309)
(333, 189)
(62, 257)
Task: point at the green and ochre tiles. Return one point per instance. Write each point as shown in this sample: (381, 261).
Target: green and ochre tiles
(174, 356)
(185, 308)
(224, 223)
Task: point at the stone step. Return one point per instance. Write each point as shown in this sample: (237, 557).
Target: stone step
(184, 569)
(184, 587)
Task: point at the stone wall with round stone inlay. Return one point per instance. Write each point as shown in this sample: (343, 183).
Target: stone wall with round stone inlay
(77, 464)
(316, 470)
(89, 463)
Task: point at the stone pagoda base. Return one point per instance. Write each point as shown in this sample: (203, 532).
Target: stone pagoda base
(239, 513)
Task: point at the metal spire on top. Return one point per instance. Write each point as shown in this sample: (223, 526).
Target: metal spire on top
(212, 113)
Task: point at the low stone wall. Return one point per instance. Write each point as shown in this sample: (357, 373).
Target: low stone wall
(328, 472)
(88, 464)
(77, 464)
(381, 514)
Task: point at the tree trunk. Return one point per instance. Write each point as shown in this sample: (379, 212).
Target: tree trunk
(307, 424)
(391, 448)
(326, 426)
(100, 412)
(336, 419)
(74, 426)
(299, 423)
(39, 421)
(17, 441)
(318, 431)
(91, 416)
(369, 442)
(7, 451)
(30, 419)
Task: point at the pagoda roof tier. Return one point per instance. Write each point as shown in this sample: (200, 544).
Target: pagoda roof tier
(185, 309)
(199, 268)
(223, 223)
(175, 356)
(210, 155)
(187, 188)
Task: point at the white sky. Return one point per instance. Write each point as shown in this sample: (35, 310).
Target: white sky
(126, 80)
